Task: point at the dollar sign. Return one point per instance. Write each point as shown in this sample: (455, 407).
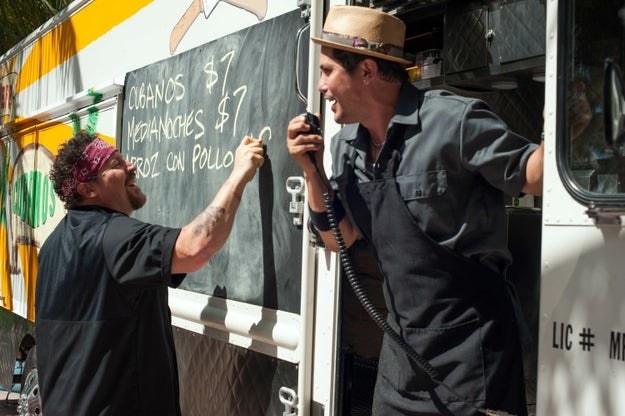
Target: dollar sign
(221, 108)
(212, 76)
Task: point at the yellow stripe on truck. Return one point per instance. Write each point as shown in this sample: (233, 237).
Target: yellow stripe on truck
(52, 135)
(73, 35)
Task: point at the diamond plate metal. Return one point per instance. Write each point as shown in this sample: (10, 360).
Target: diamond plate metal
(522, 29)
(217, 378)
(464, 44)
(516, 31)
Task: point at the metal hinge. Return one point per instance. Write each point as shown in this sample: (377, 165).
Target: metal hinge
(605, 215)
(304, 6)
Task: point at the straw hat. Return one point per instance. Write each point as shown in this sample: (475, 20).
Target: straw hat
(365, 31)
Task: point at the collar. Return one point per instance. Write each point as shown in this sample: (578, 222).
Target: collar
(90, 207)
(406, 112)
(408, 105)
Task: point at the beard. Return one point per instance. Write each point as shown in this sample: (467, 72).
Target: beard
(137, 198)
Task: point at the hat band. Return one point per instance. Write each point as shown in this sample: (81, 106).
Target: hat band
(362, 43)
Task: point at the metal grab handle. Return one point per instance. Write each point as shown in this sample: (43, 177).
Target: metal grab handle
(288, 397)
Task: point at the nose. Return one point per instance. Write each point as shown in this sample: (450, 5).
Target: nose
(321, 85)
(130, 167)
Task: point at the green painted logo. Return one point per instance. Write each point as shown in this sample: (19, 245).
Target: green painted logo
(33, 198)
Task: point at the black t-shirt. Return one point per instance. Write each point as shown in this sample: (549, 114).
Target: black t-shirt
(103, 326)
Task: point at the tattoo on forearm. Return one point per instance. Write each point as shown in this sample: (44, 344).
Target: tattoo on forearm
(206, 221)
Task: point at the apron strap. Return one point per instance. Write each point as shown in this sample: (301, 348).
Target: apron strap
(390, 171)
(349, 165)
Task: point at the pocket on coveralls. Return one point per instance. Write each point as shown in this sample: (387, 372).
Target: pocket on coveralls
(454, 352)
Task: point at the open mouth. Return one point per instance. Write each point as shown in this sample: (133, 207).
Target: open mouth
(332, 102)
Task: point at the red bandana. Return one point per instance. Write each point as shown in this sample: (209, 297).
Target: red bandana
(93, 158)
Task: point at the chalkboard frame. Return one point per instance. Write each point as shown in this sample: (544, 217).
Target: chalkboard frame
(182, 119)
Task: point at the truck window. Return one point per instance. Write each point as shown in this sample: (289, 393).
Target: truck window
(592, 31)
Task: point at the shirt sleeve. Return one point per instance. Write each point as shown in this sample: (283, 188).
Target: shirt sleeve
(140, 254)
(492, 149)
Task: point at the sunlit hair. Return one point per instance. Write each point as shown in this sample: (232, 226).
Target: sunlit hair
(62, 170)
(390, 71)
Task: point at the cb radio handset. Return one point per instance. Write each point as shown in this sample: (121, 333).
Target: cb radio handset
(315, 128)
(314, 123)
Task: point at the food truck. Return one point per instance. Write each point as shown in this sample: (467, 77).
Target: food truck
(271, 326)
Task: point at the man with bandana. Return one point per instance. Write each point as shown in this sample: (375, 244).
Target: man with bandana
(103, 326)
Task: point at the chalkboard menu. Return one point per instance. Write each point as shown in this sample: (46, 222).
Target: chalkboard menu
(182, 120)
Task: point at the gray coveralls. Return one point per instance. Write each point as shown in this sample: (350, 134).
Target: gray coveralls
(455, 312)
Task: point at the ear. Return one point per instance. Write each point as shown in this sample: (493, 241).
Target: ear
(369, 69)
(86, 190)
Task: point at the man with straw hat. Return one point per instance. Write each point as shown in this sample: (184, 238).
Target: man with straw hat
(421, 176)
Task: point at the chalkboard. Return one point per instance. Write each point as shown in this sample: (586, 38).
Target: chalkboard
(182, 120)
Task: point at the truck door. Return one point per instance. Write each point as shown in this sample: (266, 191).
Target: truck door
(581, 365)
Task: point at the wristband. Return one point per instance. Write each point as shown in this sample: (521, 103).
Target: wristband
(320, 219)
